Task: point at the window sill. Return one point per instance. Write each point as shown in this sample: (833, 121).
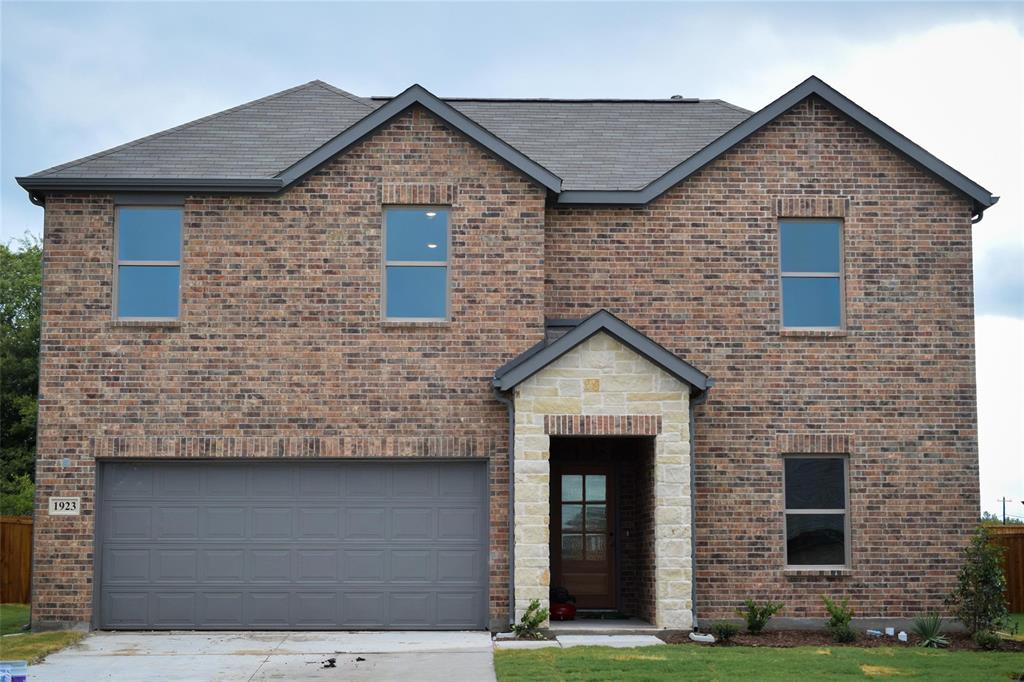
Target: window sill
(147, 324)
(397, 324)
(810, 571)
(812, 333)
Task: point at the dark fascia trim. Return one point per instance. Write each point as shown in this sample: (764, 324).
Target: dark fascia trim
(540, 356)
(417, 94)
(153, 185)
(981, 197)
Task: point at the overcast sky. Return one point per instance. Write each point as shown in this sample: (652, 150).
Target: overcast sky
(81, 77)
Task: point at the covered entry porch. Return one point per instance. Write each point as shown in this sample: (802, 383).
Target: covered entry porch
(602, 472)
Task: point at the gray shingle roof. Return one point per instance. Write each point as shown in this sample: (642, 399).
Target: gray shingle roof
(589, 144)
(254, 140)
(607, 145)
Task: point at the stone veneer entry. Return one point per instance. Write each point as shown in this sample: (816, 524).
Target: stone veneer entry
(603, 377)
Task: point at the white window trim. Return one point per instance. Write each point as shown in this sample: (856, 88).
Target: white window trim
(847, 541)
(833, 275)
(159, 263)
(446, 264)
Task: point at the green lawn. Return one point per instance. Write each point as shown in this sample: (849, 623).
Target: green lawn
(1018, 619)
(13, 617)
(35, 646)
(691, 662)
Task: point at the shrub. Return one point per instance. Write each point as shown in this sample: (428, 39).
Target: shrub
(929, 629)
(758, 616)
(839, 613)
(987, 639)
(979, 599)
(528, 626)
(16, 496)
(843, 633)
(723, 632)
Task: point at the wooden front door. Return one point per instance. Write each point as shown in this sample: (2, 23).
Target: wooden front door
(582, 533)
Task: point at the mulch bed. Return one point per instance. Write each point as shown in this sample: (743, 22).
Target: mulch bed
(791, 638)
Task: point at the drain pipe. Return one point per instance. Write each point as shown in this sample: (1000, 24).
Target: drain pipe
(695, 402)
(511, 407)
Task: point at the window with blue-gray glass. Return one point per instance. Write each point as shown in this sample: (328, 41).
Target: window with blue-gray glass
(811, 269)
(148, 263)
(817, 511)
(415, 263)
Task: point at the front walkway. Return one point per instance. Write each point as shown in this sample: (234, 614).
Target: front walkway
(250, 656)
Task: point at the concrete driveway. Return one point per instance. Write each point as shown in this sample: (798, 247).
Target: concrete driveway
(245, 656)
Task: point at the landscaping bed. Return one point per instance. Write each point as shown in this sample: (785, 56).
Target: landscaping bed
(820, 638)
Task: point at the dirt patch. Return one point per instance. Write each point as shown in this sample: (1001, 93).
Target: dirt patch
(816, 638)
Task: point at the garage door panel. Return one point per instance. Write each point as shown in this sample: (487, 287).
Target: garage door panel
(214, 545)
(457, 609)
(411, 609)
(459, 523)
(364, 565)
(315, 609)
(174, 565)
(223, 480)
(177, 523)
(315, 565)
(267, 609)
(125, 565)
(366, 523)
(410, 565)
(364, 609)
(174, 609)
(125, 608)
(130, 522)
(272, 523)
(221, 610)
(222, 565)
(223, 523)
(414, 523)
(319, 523)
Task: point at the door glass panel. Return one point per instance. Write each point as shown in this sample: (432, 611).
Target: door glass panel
(597, 515)
(596, 547)
(595, 488)
(572, 488)
(572, 547)
(572, 517)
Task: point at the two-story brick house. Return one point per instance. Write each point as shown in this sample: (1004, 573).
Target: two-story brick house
(325, 361)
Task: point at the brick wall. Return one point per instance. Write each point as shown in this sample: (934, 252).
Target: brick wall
(697, 270)
(281, 350)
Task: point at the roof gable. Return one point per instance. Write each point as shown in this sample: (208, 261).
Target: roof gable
(543, 354)
(416, 94)
(981, 197)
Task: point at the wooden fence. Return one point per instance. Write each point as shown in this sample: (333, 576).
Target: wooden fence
(15, 559)
(1012, 538)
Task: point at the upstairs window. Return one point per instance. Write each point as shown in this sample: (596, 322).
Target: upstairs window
(817, 512)
(811, 269)
(415, 263)
(148, 263)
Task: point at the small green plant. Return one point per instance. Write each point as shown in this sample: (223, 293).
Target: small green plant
(979, 600)
(723, 632)
(528, 626)
(987, 639)
(839, 616)
(929, 629)
(758, 616)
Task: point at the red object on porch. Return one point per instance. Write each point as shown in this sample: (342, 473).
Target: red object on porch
(563, 611)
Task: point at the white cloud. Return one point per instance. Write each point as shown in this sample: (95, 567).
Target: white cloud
(1001, 411)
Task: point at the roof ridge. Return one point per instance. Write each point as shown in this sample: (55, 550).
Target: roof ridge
(729, 105)
(182, 126)
(344, 93)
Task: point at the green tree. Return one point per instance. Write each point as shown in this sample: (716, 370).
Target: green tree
(979, 599)
(20, 294)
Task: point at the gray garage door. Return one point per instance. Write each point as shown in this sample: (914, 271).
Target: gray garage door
(296, 545)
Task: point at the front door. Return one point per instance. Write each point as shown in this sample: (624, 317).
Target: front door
(582, 525)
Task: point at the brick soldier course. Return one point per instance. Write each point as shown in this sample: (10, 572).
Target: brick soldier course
(281, 351)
